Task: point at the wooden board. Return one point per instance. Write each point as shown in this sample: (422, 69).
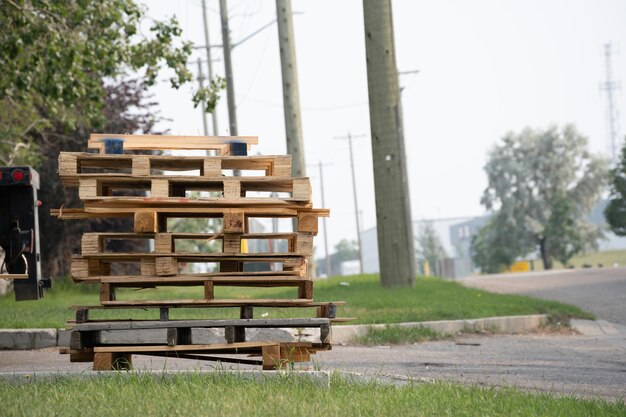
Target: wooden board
(248, 323)
(165, 304)
(258, 302)
(165, 243)
(183, 212)
(74, 165)
(169, 142)
(185, 348)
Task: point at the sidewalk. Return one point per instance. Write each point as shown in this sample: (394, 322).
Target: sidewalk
(26, 339)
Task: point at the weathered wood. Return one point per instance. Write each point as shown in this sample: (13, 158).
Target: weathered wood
(204, 323)
(271, 357)
(182, 348)
(146, 222)
(164, 314)
(166, 265)
(162, 142)
(234, 222)
(307, 222)
(141, 166)
(112, 361)
(84, 355)
(258, 302)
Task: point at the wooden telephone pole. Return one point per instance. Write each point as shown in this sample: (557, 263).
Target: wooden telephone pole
(291, 93)
(396, 249)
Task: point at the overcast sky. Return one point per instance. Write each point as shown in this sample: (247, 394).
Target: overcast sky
(486, 67)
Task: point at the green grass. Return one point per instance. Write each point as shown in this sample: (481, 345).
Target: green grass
(398, 335)
(202, 394)
(430, 299)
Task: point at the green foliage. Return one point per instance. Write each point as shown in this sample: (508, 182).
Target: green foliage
(58, 56)
(346, 250)
(615, 212)
(429, 245)
(542, 185)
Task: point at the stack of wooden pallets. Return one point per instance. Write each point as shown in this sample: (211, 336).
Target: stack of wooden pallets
(141, 186)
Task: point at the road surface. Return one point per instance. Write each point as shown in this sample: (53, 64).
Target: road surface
(601, 291)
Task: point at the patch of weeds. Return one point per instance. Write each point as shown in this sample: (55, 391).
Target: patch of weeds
(399, 335)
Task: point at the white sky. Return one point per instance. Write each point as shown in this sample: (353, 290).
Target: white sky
(486, 67)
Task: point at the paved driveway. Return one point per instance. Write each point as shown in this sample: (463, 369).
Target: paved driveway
(599, 290)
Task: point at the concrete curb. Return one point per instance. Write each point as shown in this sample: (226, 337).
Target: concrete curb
(22, 339)
(507, 324)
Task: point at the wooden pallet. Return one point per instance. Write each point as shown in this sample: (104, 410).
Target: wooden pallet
(275, 355)
(326, 309)
(154, 219)
(221, 144)
(76, 165)
(176, 332)
(165, 243)
(84, 267)
(229, 191)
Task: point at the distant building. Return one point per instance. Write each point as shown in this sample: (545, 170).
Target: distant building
(456, 236)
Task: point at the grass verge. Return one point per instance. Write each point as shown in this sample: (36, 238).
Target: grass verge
(398, 335)
(430, 299)
(202, 394)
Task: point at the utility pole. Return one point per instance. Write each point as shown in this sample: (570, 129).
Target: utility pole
(356, 204)
(291, 94)
(207, 46)
(611, 86)
(396, 248)
(228, 67)
(202, 107)
(329, 269)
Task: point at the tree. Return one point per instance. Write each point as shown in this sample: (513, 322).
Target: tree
(615, 211)
(57, 58)
(541, 186)
(429, 245)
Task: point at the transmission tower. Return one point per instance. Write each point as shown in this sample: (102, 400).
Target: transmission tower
(611, 86)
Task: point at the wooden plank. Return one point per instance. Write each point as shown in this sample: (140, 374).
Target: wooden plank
(212, 168)
(205, 323)
(232, 189)
(163, 243)
(300, 304)
(301, 189)
(166, 265)
(148, 274)
(148, 267)
(160, 189)
(215, 302)
(140, 166)
(182, 348)
(234, 222)
(271, 357)
(162, 142)
(182, 211)
(111, 361)
(294, 258)
(307, 222)
(145, 222)
(90, 244)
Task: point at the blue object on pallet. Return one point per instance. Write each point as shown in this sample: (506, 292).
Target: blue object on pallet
(238, 148)
(113, 146)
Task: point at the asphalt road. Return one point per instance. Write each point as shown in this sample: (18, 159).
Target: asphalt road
(601, 291)
(563, 364)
